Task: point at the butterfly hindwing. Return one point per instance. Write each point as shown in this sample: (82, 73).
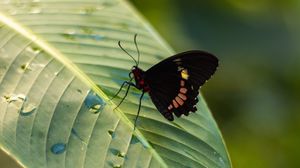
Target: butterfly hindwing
(174, 82)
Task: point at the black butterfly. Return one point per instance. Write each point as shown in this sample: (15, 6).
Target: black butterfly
(173, 84)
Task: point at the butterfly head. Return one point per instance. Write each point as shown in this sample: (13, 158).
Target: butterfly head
(137, 73)
(139, 77)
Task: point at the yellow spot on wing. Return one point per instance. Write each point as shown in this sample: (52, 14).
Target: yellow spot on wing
(184, 74)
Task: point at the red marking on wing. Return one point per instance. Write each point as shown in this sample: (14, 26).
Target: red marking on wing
(179, 100)
(183, 90)
(175, 104)
(182, 96)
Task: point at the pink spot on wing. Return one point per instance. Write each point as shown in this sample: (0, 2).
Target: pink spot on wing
(183, 90)
(175, 104)
(179, 100)
(182, 96)
(170, 107)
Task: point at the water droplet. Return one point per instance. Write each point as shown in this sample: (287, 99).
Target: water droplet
(58, 148)
(117, 166)
(97, 37)
(222, 161)
(74, 132)
(26, 67)
(56, 73)
(33, 49)
(134, 140)
(35, 10)
(94, 103)
(114, 151)
(79, 91)
(27, 109)
(69, 34)
(121, 154)
(95, 108)
(111, 133)
(15, 97)
(87, 10)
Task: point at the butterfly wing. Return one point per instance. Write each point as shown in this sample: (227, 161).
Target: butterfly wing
(174, 82)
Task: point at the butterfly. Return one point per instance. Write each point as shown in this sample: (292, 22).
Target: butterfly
(173, 84)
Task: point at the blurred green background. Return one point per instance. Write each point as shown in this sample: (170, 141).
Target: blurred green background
(255, 93)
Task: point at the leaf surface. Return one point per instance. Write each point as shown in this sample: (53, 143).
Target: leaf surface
(60, 63)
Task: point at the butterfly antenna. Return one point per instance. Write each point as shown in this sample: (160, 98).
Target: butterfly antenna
(136, 46)
(119, 43)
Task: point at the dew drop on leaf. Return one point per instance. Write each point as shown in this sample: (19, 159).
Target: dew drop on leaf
(14, 97)
(79, 91)
(25, 67)
(58, 148)
(117, 166)
(222, 161)
(69, 34)
(111, 133)
(33, 50)
(134, 140)
(121, 154)
(87, 10)
(94, 103)
(97, 37)
(27, 109)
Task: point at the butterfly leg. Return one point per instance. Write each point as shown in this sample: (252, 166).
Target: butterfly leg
(139, 109)
(123, 84)
(129, 85)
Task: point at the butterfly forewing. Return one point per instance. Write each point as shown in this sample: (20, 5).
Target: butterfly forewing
(175, 81)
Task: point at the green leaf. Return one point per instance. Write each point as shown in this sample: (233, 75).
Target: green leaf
(60, 63)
